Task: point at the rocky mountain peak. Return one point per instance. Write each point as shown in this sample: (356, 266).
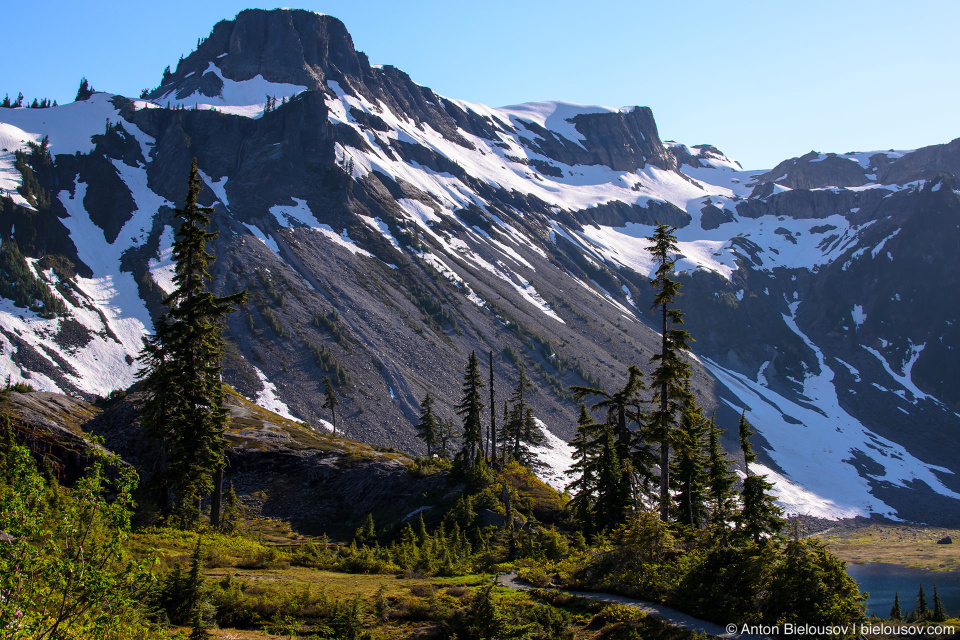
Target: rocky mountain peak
(283, 46)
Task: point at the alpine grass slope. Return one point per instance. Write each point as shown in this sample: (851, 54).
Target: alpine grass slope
(384, 232)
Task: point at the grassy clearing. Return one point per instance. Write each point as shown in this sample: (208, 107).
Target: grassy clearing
(908, 545)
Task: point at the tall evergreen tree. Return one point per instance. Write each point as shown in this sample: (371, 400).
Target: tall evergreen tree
(939, 613)
(720, 479)
(520, 431)
(923, 609)
(623, 410)
(330, 401)
(613, 495)
(84, 92)
(584, 469)
(181, 367)
(896, 613)
(672, 369)
(428, 429)
(760, 516)
(689, 466)
(470, 410)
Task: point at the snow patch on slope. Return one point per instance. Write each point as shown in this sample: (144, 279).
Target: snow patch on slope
(268, 399)
(832, 486)
(245, 98)
(556, 456)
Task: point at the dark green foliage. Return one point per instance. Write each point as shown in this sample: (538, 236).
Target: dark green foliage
(612, 492)
(85, 90)
(231, 511)
(799, 582)
(672, 370)
(585, 470)
(689, 466)
(325, 360)
(277, 295)
(810, 583)
(896, 613)
(181, 598)
(720, 480)
(347, 622)
(331, 324)
(273, 322)
(482, 621)
(939, 613)
(760, 516)
(366, 533)
(428, 427)
(520, 432)
(922, 611)
(19, 283)
(470, 410)
(434, 311)
(330, 401)
(181, 366)
(621, 461)
(38, 161)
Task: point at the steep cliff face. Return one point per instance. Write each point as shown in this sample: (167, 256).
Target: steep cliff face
(385, 232)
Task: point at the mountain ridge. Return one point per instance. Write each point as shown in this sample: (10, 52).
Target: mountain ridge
(430, 227)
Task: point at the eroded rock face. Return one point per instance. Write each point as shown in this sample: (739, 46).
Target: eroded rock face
(318, 482)
(290, 47)
(922, 164)
(50, 425)
(811, 171)
(618, 214)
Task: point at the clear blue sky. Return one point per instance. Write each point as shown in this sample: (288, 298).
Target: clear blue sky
(763, 81)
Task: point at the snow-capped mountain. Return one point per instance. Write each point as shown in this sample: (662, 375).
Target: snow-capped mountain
(384, 232)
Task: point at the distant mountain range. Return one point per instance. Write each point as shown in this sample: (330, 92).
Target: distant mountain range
(384, 232)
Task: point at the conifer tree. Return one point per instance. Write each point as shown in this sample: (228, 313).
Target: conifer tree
(367, 532)
(181, 368)
(231, 511)
(584, 469)
(896, 613)
(671, 370)
(939, 613)
(330, 401)
(623, 409)
(85, 90)
(520, 431)
(470, 410)
(427, 428)
(689, 465)
(760, 515)
(923, 610)
(613, 495)
(720, 479)
(446, 437)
